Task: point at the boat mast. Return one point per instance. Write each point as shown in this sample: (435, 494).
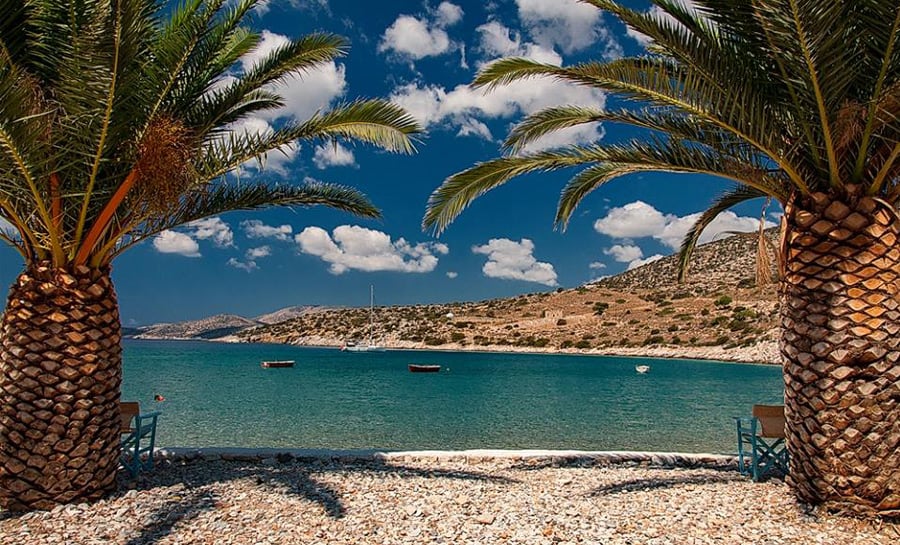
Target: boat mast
(371, 311)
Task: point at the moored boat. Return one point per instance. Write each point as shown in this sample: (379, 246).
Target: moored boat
(642, 369)
(371, 345)
(422, 368)
(277, 363)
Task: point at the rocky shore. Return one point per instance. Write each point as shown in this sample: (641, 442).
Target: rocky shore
(420, 499)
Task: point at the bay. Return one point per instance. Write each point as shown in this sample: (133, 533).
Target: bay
(217, 394)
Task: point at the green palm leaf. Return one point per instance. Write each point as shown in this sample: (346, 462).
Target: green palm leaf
(735, 196)
(114, 114)
(211, 201)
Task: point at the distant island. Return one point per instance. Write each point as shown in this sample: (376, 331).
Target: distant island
(717, 313)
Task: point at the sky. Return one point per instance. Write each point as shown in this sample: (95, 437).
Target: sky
(421, 55)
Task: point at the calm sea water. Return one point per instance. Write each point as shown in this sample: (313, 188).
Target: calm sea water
(217, 395)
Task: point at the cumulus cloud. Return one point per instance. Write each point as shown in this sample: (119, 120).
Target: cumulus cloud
(256, 253)
(462, 107)
(568, 24)
(354, 247)
(496, 40)
(639, 262)
(419, 37)
(173, 242)
(513, 260)
(212, 229)
(258, 229)
(303, 93)
(597, 265)
(333, 154)
(641, 220)
(414, 38)
(451, 274)
(624, 253)
(251, 256)
(448, 14)
(634, 220)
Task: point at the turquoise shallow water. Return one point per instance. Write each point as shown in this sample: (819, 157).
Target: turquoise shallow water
(217, 395)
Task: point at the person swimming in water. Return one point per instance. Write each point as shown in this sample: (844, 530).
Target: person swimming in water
(158, 397)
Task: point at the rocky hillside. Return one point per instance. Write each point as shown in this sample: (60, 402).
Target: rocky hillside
(213, 327)
(285, 314)
(718, 306)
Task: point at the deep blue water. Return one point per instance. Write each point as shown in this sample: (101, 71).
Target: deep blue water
(218, 395)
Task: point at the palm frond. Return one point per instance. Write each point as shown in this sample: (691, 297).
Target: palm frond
(210, 201)
(662, 156)
(458, 191)
(740, 193)
(375, 121)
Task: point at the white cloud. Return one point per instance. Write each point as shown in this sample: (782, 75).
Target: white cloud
(261, 251)
(675, 230)
(258, 229)
(496, 40)
(414, 38)
(469, 126)
(250, 257)
(569, 24)
(212, 229)
(513, 260)
(639, 220)
(463, 106)
(333, 154)
(597, 265)
(452, 274)
(354, 247)
(638, 262)
(173, 242)
(248, 266)
(624, 253)
(448, 14)
(303, 93)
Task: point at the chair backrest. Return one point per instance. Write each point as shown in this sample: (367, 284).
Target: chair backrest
(771, 420)
(128, 410)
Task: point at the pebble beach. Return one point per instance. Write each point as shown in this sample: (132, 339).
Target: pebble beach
(614, 499)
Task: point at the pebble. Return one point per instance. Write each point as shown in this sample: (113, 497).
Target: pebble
(441, 501)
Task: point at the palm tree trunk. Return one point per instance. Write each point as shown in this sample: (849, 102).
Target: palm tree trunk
(60, 372)
(840, 314)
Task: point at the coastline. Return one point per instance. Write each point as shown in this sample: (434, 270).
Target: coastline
(765, 352)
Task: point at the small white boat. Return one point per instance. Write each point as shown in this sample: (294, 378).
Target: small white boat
(642, 369)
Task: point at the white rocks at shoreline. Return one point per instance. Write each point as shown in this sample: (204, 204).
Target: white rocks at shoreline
(425, 501)
(762, 352)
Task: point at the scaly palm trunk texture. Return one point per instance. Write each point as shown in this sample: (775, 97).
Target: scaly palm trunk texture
(841, 320)
(60, 372)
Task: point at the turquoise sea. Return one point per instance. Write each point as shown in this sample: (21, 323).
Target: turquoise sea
(218, 395)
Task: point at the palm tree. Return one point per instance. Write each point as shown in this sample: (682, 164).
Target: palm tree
(795, 100)
(116, 123)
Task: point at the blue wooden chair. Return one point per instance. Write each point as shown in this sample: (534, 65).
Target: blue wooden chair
(138, 437)
(761, 448)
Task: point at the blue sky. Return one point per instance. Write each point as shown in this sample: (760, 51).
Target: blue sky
(422, 55)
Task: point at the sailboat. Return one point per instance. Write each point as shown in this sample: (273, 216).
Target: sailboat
(370, 346)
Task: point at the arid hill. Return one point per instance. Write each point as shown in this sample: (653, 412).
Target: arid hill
(719, 305)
